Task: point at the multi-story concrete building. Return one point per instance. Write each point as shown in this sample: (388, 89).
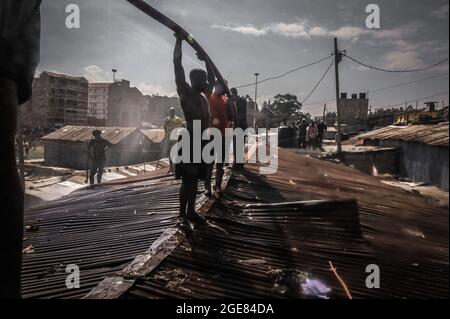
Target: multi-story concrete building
(354, 111)
(57, 100)
(126, 105)
(98, 103)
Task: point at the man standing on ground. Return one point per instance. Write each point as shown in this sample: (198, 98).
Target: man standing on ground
(19, 57)
(240, 121)
(96, 150)
(322, 128)
(171, 123)
(195, 107)
(312, 134)
(302, 128)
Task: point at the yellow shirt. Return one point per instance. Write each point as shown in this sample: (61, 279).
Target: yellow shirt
(171, 123)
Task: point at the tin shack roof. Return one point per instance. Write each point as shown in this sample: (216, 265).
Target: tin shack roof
(84, 133)
(154, 135)
(273, 236)
(433, 134)
(275, 239)
(100, 229)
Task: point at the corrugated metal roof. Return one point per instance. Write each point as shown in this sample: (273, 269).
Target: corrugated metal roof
(267, 243)
(266, 252)
(436, 135)
(270, 248)
(84, 133)
(154, 135)
(100, 229)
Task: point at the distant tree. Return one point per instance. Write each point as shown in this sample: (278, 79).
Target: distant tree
(330, 118)
(286, 105)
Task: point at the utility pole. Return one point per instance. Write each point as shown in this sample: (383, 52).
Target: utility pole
(256, 96)
(324, 112)
(114, 75)
(337, 60)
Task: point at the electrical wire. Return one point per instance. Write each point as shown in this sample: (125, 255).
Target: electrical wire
(321, 79)
(284, 74)
(394, 71)
(385, 88)
(418, 99)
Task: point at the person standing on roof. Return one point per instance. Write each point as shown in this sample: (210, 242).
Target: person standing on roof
(240, 121)
(171, 123)
(195, 106)
(96, 150)
(222, 116)
(19, 56)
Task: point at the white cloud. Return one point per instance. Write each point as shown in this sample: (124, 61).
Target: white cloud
(244, 29)
(150, 89)
(304, 29)
(94, 73)
(349, 33)
(403, 45)
(294, 30)
(403, 60)
(318, 31)
(389, 34)
(441, 13)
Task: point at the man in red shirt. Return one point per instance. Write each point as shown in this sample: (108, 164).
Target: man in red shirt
(221, 117)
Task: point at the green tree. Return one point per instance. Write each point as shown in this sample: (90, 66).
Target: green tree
(286, 105)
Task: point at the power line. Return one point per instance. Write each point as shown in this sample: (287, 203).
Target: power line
(395, 71)
(410, 82)
(284, 74)
(390, 105)
(315, 87)
(418, 99)
(386, 88)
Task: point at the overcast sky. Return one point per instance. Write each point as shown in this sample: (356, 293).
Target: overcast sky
(248, 36)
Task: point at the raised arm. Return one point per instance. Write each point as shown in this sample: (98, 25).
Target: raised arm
(180, 77)
(210, 73)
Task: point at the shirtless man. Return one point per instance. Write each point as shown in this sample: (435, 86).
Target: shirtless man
(194, 104)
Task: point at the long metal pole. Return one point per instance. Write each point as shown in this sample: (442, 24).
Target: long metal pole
(189, 38)
(114, 75)
(337, 59)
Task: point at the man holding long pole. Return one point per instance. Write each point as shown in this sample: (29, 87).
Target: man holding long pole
(195, 106)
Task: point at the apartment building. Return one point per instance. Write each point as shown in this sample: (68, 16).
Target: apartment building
(57, 100)
(98, 97)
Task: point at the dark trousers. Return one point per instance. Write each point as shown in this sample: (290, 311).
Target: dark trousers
(97, 168)
(219, 168)
(302, 142)
(241, 153)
